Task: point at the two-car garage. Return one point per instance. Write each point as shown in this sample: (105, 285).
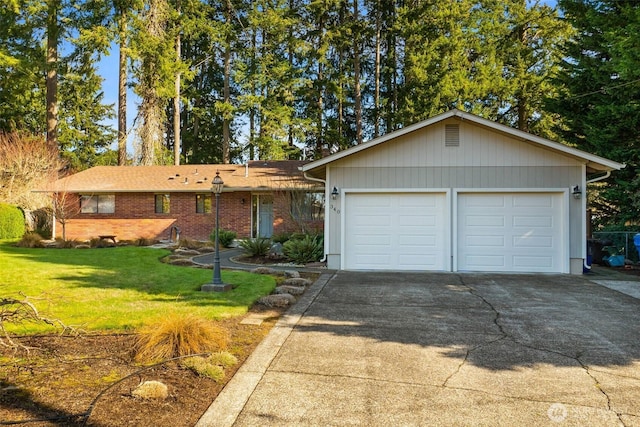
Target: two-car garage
(455, 231)
(458, 192)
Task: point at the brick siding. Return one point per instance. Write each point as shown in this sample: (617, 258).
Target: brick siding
(135, 217)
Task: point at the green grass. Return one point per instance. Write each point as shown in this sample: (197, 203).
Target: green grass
(115, 289)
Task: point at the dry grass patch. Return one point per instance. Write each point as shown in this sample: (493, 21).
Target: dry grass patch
(179, 335)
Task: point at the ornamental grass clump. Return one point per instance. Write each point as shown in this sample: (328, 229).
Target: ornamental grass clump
(30, 240)
(178, 335)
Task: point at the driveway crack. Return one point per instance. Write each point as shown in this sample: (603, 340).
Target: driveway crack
(505, 335)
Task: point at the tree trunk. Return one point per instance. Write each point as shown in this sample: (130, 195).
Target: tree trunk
(356, 74)
(376, 93)
(122, 90)
(226, 123)
(176, 101)
(53, 32)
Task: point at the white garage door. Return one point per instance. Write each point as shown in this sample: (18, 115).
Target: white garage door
(511, 232)
(400, 231)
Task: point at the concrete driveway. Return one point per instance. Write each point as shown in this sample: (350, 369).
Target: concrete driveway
(395, 349)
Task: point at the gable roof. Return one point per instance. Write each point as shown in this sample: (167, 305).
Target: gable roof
(253, 176)
(594, 163)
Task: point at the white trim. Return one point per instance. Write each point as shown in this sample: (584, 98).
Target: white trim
(566, 224)
(605, 164)
(343, 216)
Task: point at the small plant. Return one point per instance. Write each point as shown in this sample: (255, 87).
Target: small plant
(301, 251)
(223, 358)
(225, 237)
(256, 247)
(177, 335)
(30, 240)
(204, 368)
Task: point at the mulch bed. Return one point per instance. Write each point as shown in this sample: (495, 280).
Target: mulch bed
(69, 381)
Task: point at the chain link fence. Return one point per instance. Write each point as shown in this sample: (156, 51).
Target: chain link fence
(610, 243)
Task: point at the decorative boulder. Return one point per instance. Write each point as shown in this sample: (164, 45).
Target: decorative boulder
(293, 290)
(292, 274)
(186, 252)
(297, 281)
(279, 300)
(264, 270)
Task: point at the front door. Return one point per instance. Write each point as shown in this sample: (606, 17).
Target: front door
(262, 215)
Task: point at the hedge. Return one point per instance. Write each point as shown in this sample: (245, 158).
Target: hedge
(11, 222)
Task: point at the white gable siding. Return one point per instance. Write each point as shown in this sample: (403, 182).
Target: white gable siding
(485, 159)
(479, 146)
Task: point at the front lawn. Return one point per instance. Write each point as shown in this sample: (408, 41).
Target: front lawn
(119, 288)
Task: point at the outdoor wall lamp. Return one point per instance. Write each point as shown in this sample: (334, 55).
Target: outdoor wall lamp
(575, 190)
(334, 193)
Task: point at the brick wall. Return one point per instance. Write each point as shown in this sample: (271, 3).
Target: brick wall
(135, 217)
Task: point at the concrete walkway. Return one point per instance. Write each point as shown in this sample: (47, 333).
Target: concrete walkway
(385, 349)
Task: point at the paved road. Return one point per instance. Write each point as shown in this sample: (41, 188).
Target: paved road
(395, 349)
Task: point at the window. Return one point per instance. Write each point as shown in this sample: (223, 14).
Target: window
(307, 206)
(101, 203)
(203, 203)
(162, 203)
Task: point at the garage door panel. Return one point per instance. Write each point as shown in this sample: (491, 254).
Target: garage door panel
(480, 261)
(413, 222)
(484, 221)
(524, 235)
(526, 201)
(485, 240)
(545, 242)
(533, 221)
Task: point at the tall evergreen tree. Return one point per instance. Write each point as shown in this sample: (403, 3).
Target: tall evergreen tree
(600, 100)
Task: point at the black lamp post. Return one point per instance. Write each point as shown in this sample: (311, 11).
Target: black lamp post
(216, 285)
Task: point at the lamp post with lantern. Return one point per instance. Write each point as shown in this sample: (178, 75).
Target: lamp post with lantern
(216, 285)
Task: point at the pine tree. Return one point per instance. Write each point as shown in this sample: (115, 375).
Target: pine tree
(600, 98)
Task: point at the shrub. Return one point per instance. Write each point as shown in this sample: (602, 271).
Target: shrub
(30, 240)
(11, 222)
(177, 335)
(301, 251)
(256, 247)
(281, 237)
(225, 237)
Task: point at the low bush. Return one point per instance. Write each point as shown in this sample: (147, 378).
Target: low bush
(256, 247)
(30, 240)
(281, 237)
(225, 237)
(305, 250)
(178, 335)
(11, 222)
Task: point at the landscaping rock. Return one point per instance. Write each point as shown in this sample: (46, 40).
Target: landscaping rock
(206, 249)
(292, 274)
(181, 261)
(276, 250)
(186, 252)
(297, 281)
(293, 290)
(82, 246)
(264, 270)
(151, 390)
(279, 300)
